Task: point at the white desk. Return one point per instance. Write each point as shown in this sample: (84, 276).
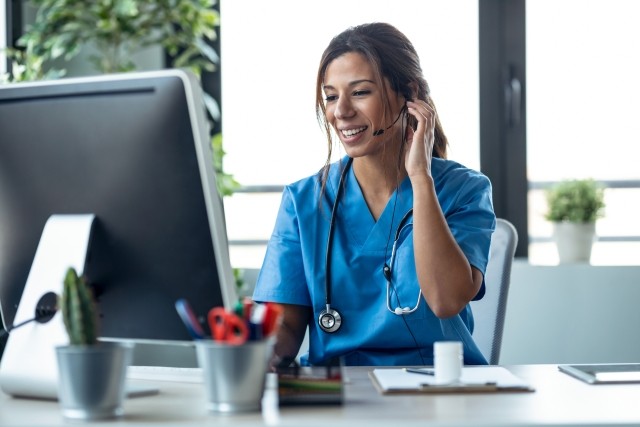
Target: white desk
(558, 400)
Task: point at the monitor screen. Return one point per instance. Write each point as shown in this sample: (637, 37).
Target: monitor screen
(134, 150)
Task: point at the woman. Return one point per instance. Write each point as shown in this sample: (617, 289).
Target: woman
(379, 253)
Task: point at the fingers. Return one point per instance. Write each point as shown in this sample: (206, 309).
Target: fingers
(419, 150)
(425, 115)
(422, 111)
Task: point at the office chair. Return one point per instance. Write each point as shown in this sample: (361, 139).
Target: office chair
(489, 312)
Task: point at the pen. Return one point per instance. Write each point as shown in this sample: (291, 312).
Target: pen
(247, 307)
(256, 321)
(423, 371)
(189, 319)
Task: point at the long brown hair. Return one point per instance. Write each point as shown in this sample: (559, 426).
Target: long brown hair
(393, 57)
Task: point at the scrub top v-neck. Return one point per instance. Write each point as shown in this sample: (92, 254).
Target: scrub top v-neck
(294, 268)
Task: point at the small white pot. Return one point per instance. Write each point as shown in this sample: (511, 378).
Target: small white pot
(574, 240)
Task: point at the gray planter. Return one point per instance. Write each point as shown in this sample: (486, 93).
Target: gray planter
(91, 380)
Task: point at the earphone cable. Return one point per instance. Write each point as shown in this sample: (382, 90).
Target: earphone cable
(11, 328)
(415, 341)
(41, 313)
(46, 308)
(386, 269)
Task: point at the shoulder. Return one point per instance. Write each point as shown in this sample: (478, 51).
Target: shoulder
(312, 184)
(444, 170)
(452, 178)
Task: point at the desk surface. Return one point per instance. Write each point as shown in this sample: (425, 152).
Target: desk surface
(558, 400)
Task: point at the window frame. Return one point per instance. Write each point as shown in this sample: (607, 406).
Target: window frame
(503, 139)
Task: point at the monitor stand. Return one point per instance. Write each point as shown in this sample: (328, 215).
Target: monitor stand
(28, 367)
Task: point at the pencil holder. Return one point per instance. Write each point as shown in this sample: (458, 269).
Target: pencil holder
(234, 375)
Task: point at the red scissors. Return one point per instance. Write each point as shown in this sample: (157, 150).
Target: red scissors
(227, 327)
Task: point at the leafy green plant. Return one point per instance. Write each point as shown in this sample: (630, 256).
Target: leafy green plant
(119, 28)
(577, 200)
(79, 312)
(26, 68)
(227, 184)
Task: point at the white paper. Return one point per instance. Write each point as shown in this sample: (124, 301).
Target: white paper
(398, 379)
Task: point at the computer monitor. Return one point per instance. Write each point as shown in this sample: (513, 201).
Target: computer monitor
(134, 150)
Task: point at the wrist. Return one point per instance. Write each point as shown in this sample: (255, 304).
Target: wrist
(421, 180)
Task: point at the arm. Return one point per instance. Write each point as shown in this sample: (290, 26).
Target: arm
(291, 332)
(447, 280)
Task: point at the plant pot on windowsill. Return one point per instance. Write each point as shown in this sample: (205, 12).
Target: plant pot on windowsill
(574, 207)
(92, 374)
(574, 240)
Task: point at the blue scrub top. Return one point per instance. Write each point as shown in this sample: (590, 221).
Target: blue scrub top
(294, 267)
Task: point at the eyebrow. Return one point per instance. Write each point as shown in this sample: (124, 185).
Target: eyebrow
(353, 83)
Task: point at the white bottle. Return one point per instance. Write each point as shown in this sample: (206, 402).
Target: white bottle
(270, 400)
(447, 361)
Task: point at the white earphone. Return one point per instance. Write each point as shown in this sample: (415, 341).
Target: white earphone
(400, 311)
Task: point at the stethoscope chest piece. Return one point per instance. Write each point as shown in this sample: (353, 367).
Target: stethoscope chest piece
(329, 320)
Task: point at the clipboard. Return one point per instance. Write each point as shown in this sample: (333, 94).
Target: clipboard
(476, 379)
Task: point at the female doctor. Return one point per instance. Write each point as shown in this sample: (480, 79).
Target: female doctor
(380, 252)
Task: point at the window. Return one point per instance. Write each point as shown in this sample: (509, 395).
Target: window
(580, 109)
(582, 116)
(270, 52)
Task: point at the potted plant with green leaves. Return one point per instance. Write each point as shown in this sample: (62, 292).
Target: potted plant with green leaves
(91, 373)
(574, 206)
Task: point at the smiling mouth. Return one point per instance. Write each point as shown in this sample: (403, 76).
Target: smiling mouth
(352, 132)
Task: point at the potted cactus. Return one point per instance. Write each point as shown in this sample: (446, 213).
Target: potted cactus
(91, 372)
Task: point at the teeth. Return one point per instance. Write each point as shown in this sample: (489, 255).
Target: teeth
(351, 132)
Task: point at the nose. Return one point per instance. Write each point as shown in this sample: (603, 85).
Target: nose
(344, 108)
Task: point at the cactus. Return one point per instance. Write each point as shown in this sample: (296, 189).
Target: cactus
(78, 309)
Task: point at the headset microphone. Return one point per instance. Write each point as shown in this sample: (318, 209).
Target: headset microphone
(381, 131)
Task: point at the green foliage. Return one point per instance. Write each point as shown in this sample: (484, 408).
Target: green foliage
(78, 308)
(227, 185)
(119, 28)
(27, 68)
(575, 201)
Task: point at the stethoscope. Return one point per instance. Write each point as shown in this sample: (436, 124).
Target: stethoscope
(330, 319)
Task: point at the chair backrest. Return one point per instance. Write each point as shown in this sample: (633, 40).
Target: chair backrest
(489, 312)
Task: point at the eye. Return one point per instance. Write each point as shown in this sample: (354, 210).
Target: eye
(362, 92)
(330, 98)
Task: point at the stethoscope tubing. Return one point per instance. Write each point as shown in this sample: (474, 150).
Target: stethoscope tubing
(403, 224)
(334, 210)
(328, 311)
